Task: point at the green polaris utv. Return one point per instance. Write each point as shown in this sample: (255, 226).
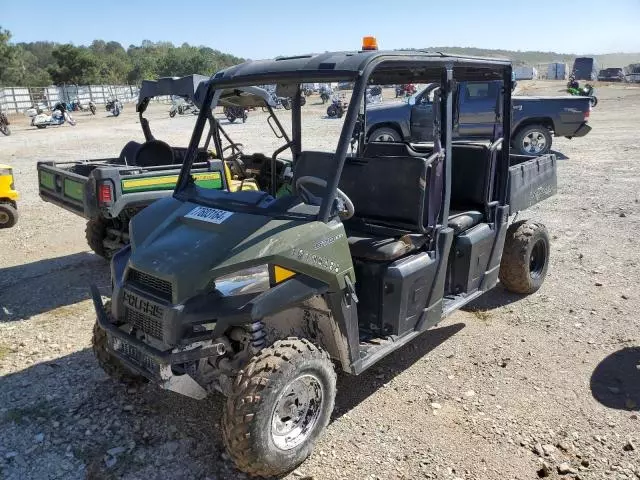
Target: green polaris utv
(263, 295)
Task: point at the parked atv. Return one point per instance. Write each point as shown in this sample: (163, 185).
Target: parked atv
(261, 295)
(338, 106)
(4, 124)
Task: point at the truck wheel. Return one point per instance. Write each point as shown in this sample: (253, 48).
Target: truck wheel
(385, 134)
(8, 215)
(280, 404)
(525, 258)
(110, 364)
(533, 140)
(96, 232)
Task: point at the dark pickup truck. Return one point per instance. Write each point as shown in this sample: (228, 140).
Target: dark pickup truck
(534, 119)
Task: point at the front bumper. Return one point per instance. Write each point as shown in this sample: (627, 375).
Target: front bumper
(581, 131)
(147, 361)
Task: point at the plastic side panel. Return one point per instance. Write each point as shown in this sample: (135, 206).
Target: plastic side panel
(407, 284)
(532, 181)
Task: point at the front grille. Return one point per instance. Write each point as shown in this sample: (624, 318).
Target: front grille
(160, 288)
(135, 356)
(149, 325)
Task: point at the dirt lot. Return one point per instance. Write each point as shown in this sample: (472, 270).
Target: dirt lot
(491, 393)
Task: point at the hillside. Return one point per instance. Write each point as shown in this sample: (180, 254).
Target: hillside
(536, 58)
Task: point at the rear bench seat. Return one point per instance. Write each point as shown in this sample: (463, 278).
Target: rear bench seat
(471, 171)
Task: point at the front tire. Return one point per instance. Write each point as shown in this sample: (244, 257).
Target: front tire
(5, 129)
(110, 364)
(332, 111)
(525, 258)
(281, 403)
(8, 215)
(385, 134)
(533, 140)
(593, 100)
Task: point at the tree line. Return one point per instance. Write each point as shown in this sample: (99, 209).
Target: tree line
(38, 64)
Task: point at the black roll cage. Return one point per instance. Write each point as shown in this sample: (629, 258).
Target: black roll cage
(469, 67)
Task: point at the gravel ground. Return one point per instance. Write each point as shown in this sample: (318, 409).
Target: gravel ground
(510, 388)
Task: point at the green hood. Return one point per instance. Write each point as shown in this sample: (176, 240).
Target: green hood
(190, 252)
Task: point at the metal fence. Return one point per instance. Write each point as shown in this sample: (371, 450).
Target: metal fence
(19, 99)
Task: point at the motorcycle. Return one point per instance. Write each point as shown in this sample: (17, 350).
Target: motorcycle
(182, 108)
(233, 113)
(573, 88)
(325, 94)
(287, 102)
(76, 106)
(4, 124)
(59, 115)
(114, 106)
(338, 106)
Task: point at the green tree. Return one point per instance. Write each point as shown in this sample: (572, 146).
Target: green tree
(75, 65)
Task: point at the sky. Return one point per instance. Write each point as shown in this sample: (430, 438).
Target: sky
(263, 29)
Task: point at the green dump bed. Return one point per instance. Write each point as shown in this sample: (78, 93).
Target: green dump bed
(75, 186)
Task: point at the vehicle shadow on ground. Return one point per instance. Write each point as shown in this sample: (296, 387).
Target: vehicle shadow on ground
(559, 155)
(80, 397)
(615, 382)
(494, 298)
(38, 287)
(353, 390)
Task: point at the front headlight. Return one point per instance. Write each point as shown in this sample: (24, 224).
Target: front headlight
(242, 282)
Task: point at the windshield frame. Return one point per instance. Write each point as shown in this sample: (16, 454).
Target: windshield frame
(470, 69)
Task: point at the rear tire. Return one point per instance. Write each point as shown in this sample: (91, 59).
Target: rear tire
(525, 258)
(5, 129)
(533, 140)
(8, 215)
(593, 101)
(332, 111)
(110, 364)
(281, 403)
(96, 232)
(172, 113)
(385, 134)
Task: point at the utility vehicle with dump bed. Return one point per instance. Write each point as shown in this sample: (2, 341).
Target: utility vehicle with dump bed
(109, 192)
(260, 295)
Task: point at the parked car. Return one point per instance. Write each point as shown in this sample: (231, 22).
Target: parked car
(632, 73)
(611, 75)
(534, 119)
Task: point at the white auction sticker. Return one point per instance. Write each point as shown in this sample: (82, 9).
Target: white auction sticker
(211, 215)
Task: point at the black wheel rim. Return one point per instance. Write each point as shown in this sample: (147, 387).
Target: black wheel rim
(538, 259)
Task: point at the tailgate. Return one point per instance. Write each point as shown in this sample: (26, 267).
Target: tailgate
(531, 180)
(59, 185)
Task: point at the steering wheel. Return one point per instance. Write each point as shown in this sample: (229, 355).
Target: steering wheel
(311, 199)
(234, 158)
